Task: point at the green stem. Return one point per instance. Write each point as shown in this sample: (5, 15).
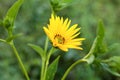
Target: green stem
(47, 62)
(2, 40)
(1, 22)
(84, 59)
(19, 60)
(46, 44)
(43, 59)
(92, 48)
(42, 69)
(53, 12)
(71, 67)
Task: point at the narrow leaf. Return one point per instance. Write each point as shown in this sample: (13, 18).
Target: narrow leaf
(97, 44)
(106, 67)
(90, 56)
(101, 46)
(113, 47)
(13, 37)
(1, 23)
(112, 65)
(52, 69)
(90, 59)
(38, 49)
(100, 30)
(68, 1)
(12, 13)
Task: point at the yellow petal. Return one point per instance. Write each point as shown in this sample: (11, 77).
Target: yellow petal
(58, 29)
(64, 48)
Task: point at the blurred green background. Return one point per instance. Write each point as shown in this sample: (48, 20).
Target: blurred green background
(34, 14)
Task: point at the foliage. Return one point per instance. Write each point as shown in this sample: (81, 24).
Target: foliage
(103, 54)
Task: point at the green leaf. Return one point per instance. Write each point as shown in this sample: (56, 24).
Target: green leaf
(113, 47)
(58, 5)
(52, 69)
(9, 39)
(2, 40)
(112, 65)
(68, 1)
(98, 42)
(90, 59)
(101, 46)
(1, 23)
(11, 14)
(90, 56)
(38, 49)
(100, 30)
(97, 45)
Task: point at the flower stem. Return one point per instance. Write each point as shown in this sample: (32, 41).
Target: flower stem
(19, 60)
(44, 59)
(2, 40)
(47, 62)
(46, 44)
(92, 50)
(71, 67)
(42, 69)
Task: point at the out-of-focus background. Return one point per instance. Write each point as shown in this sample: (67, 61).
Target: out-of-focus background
(34, 14)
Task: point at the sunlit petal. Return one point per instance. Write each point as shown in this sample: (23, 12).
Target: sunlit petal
(62, 35)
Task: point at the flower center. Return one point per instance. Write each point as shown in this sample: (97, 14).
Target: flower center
(59, 39)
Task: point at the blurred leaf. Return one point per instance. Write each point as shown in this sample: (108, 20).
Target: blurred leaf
(13, 37)
(1, 23)
(12, 13)
(114, 46)
(38, 49)
(97, 44)
(2, 40)
(100, 31)
(90, 56)
(58, 5)
(67, 1)
(112, 65)
(52, 69)
(90, 59)
(101, 47)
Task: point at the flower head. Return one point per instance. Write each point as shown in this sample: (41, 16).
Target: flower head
(62, 35)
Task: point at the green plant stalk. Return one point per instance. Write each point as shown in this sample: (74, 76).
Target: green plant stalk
(19, 60)
(92, 48)
(2, 40)
(44, 60)
(42, 69)
(71, 67)
(46, 44)
(47, 62)
(84, 59)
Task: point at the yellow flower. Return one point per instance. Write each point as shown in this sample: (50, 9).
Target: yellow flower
(63, 36)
